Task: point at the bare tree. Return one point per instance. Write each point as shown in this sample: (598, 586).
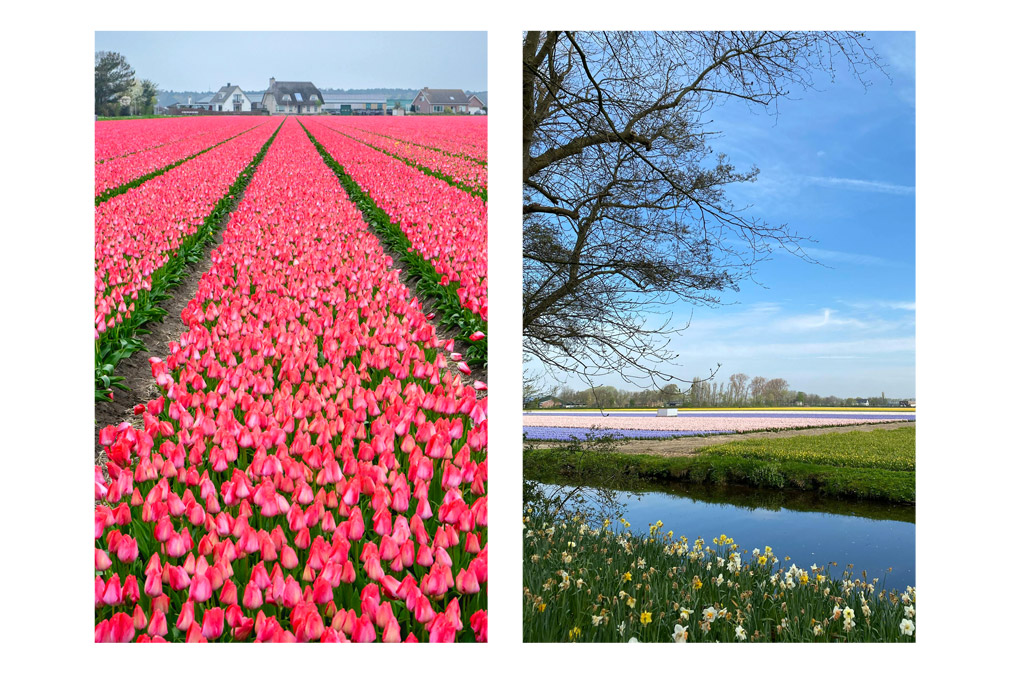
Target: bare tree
(757, 390)
(738, 389)
(775, 391)
(624, 206)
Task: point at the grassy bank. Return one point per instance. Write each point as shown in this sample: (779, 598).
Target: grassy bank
(583, 584)
(877, 465)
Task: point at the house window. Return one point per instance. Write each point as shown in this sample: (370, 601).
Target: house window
(436, 108)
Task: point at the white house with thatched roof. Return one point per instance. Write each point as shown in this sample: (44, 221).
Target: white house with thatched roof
(293, 98)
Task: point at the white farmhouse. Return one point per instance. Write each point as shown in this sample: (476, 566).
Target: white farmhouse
(230, 99)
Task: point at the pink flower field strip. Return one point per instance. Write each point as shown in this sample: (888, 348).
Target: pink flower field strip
(117, 138)
(122, 170)
(684, 423)
(445, 225)
(312, 471)
(465, 136)
(464, 171)
(137, 232)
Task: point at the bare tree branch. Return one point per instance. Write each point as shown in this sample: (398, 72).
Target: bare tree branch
(624, 203)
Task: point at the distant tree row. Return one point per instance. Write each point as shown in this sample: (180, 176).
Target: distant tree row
(740, 390)
(117, 92)
(612, 398)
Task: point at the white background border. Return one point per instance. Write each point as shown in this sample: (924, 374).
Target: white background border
(961, 242)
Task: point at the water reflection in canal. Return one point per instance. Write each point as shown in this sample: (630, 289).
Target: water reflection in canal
(803, 526)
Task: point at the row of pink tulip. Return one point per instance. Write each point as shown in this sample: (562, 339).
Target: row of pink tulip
(464, 171)
(311, 472)
(464, 136)
(120, 171)
(118, 138)
(137, 232)
(445, 225)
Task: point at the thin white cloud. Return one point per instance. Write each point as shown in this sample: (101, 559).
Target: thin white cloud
(826, 318)
(879, 303)
(856, 258)
(862, 185)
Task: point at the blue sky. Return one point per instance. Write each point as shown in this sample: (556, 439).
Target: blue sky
(837, 165)
(207, 60)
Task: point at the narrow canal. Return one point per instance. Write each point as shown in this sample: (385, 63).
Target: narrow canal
(879, 539)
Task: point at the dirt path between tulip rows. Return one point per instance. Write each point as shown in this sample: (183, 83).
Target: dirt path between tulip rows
(686, 446)
(476, 373)
(136, 369)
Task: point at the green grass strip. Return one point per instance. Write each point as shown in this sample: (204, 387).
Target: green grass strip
(639, 471)
(454, 314)
(122, 341)
(482, 193)
(876, 449)
(113, 192)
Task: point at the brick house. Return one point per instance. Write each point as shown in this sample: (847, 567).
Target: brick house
(475, 105)
(292, 98)
(439, 101)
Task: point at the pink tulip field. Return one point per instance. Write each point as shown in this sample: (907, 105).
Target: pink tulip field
(702, 422)
(122, 170)
(463, 137)
(471, 175)
(444, 225)
(314, 465)
(137, 135)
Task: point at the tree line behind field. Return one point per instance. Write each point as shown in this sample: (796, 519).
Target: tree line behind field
(118, 93)
(740, 390)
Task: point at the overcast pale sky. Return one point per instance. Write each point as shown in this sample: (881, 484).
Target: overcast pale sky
(207, 60)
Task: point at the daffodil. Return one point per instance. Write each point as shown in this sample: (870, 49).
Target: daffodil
(679, 634)
(645, 618)
(907, 627)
